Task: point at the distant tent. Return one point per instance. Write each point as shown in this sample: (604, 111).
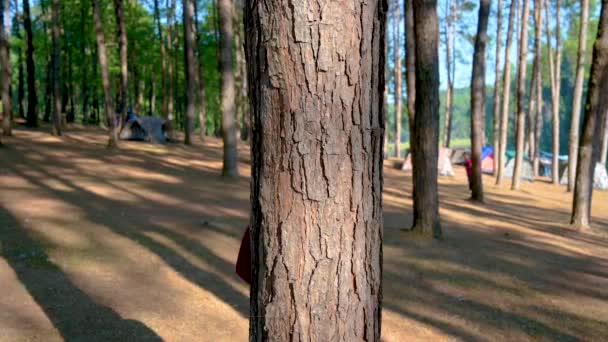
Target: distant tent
(546, 163)
(527, 171)
(151, 129)
(459, 156)
(444, 165)
(487, 160)
(600, 177)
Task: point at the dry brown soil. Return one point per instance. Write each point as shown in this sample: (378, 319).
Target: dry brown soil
(139, 245)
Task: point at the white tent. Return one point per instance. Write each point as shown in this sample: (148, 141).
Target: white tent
(527, 171)
(600, 177)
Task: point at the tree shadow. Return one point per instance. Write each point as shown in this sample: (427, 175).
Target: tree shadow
(73, 313)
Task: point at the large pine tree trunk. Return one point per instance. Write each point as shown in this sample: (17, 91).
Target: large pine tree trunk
(506, 87)
(32, 99)
(316, 220)
(478, 98)
(426, 121)
(56, 70)
(497, 87)
(555, 73)
(121, 34)
(189, 71)
(5, 65)
(578, 94)
(397, 56)
(230, 166)
(538, 85)
(593, 127)
(522, 67)
(105, 77)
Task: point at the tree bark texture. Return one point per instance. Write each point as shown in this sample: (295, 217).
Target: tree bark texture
(478, 98)
(397, 61)
(56, 117)
(316, 81)
(105, 77)
(593, 126)
(578, 95)
(190, 71)
(5, 66)
(497, 86)
(506, 87)
(522, 67)
(230, 165)
(32, 99)
(426, 121)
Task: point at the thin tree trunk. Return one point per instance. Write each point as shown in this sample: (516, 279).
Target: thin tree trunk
(163, 63)
(316, 222)
(48, 89)
(151, 98)
(70, 117)
(202, 102)
(497, 87)
(189, 71)
(397, 61)
(522, 67)
(20, 72)
(56, 70)
(121, 34)
(506, 87)
(593, 127)
(410, 74)
(555, 71)
(5, 65)
(531, 117)
(84, 85)
(578, 94)
(450, 22)
(426, 121)
(105, 77)
(32, 99)
(478, 98)
(538, 84)
(230, 167)
(170, 80)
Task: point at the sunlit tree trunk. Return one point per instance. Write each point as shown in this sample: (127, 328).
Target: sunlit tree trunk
(121, 34)
(578, 94)
(426, 121)
(5, 66)
(593, 126)
(555, 73)
(105, 77)
(316, 216)
(230, 166)
(497, 87)
(397, 61)
(32, 99)
(189, 70)
(506, 88)
(450, 36)
(410, 74)
(538, 85)
(478, 98)
(56, 70)
(522, 67)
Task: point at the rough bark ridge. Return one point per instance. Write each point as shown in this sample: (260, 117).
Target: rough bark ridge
(497, 87)
(32, 99)
(426, 121)
(522, 67)
(316, 81)
(478, 98)
(578, 94)
(105, 77)
(230, 164)
(397, 53)
(5, 66)
(56, 69)
(594, 122)
(506, 87)
(190, 71)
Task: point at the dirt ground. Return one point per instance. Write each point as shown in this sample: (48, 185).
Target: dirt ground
(140, 245)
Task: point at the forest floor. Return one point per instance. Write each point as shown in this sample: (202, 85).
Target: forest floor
(140, 244)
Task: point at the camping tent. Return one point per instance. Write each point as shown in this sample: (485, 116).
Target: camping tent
(459, 156)
(600, 177)
(546, 163)
(487, 160)
(527, 171)
(151, 129)
(444, 165)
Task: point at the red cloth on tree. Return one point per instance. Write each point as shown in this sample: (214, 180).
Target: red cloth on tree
(243, 261)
